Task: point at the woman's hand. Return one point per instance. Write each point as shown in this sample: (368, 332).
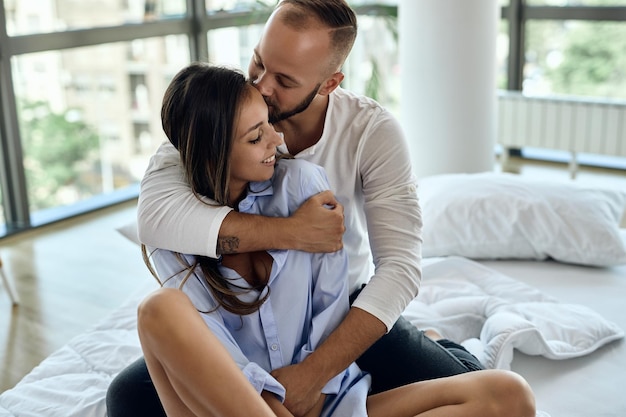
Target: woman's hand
(274, 403)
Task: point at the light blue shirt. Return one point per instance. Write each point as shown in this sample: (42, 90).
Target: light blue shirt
(308, 297)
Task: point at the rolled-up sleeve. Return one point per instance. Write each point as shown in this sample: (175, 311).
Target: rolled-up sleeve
(169, 215)
(263, 381)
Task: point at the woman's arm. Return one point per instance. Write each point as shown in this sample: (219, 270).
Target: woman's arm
(281, 411)
(276, 405)
(169, 216)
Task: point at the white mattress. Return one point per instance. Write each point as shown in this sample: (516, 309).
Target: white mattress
(73, 381)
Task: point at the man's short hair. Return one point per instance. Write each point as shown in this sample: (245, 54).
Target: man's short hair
(336, 15)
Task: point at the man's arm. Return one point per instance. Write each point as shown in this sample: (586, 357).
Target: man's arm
(170, 216)
(317, 226)
(394, 221)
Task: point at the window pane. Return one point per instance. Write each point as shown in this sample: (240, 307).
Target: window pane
(90, 117)
(233, 46)
(576, 2)
(372, 67)
(575, 57)
(43, 16)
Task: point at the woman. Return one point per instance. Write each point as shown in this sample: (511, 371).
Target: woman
(212, 339)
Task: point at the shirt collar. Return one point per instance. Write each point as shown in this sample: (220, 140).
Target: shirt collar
(255, 190)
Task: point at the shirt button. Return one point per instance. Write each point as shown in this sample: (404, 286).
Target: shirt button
(274, 346)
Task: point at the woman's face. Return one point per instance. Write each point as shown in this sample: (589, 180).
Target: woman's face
(254, 145)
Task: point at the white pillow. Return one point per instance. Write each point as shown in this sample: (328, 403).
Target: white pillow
(497, 215)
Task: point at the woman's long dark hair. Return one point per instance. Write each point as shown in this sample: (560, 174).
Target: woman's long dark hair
(198, 113)
(199, 110)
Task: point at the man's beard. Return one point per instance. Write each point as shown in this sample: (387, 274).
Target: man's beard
(276, 115)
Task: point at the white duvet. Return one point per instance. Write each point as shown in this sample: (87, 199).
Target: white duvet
(492, 314)
(465, 301)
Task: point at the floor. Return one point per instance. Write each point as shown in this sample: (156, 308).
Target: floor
(72, 274)
(68, 277)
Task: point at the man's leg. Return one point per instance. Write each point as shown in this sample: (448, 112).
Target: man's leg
(132, 393)
(406, 355)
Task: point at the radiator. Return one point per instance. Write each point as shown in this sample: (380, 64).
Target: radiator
(573, 125)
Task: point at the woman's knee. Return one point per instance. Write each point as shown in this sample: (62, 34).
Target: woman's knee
(511, 395)
(158, 307)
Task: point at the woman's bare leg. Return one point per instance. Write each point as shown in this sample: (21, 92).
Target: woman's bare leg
(490, 393)
(193, 373)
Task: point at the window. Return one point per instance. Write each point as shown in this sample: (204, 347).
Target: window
(26, 17)
(86, 117)
(575, 58)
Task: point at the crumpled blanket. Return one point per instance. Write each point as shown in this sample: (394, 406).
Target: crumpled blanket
(492, 315)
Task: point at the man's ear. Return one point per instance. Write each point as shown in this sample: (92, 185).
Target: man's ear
(331, 83)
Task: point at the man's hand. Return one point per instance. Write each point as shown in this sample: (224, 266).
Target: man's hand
(303, 395)
(304, 381)
(316, 227)
(318, 224)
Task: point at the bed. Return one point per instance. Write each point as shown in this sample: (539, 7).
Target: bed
(542, 301)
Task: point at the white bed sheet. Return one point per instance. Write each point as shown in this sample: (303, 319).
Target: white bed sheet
(72, 382)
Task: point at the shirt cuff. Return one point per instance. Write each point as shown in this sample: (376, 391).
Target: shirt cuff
(334, 385)
(261, 380)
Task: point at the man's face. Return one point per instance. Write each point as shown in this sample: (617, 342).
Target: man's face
(288, 67)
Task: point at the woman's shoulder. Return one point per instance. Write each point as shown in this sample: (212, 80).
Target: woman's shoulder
(296, 167)
(300, 176)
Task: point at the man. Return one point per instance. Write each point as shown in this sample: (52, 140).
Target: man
(297, 68)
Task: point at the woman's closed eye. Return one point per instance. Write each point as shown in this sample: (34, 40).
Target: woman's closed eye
(258, 138)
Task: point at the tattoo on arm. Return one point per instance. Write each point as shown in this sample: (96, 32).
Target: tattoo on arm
(227, 245)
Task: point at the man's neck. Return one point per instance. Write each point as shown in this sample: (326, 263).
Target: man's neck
(305, 129)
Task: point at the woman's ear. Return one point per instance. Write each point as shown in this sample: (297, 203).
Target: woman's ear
(331, 83)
